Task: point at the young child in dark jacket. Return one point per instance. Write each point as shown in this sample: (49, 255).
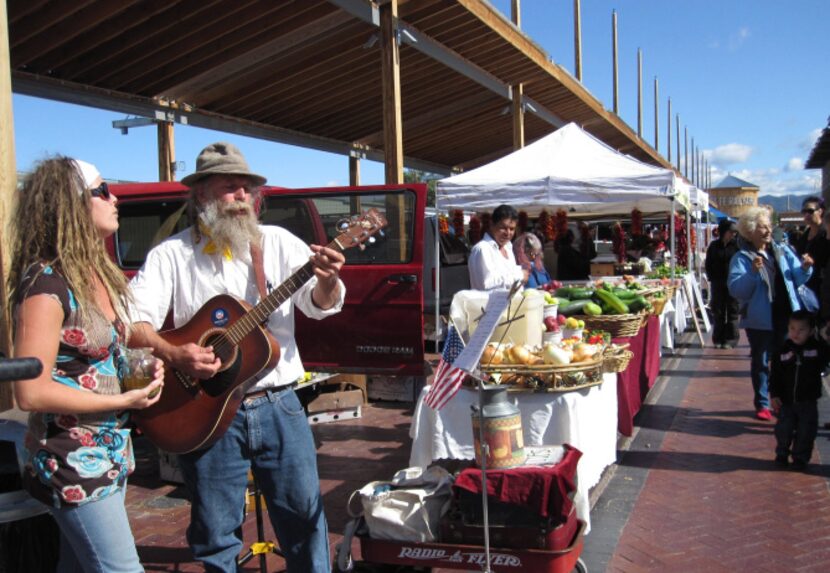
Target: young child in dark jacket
(795, 387)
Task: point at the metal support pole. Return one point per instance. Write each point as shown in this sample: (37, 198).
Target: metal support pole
(437, 268)
(673, 251)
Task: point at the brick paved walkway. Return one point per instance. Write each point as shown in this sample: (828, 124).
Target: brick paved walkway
(711, 499)
(695, 490)
(350, 453)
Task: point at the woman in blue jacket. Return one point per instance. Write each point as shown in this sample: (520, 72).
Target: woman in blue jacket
(764, 277)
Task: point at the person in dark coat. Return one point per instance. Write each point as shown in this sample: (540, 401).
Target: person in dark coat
(571, 265)
(724, 306)
(795, 387)
(813, 241)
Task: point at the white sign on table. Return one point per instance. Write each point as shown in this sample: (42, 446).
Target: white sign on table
(496, 304)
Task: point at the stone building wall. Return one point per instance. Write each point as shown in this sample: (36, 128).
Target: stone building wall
(734, 200)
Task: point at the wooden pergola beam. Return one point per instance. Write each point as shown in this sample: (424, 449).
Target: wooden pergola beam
(8, 184)
(391, 72)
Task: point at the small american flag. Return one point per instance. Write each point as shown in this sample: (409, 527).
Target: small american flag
(447, 378)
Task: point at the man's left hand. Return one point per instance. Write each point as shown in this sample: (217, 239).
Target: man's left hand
(327, 264)
(806, 261)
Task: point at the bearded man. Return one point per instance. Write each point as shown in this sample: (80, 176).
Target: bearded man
(270, 433)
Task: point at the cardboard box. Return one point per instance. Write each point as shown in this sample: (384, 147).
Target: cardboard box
(339, 400)
(335, 415)
(602, 269)
(395, 388)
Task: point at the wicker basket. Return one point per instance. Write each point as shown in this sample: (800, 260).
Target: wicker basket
(617, 325)
(548, 378)
(618, 361)
(657, 305)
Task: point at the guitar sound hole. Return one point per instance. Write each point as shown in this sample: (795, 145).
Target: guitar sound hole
(223, 349)
(228, 354)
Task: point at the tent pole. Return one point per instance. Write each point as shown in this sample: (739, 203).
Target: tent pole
(671, 238)
(698, 247)
(437, 268)
(689, 260)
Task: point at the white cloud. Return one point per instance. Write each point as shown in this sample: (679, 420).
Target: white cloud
(332, 183)
(729, 154)
(794, 164)
(737, 39)
(774, 182)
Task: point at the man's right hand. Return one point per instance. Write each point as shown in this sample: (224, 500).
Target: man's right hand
(196, 361)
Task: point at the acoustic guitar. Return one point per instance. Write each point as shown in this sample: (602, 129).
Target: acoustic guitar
(194, 413)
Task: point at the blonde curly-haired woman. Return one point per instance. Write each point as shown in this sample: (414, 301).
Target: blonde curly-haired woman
(68, 302)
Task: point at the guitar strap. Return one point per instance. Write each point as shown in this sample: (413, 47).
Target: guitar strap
(259, 270)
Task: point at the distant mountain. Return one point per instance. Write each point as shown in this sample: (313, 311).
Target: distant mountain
(779, 203)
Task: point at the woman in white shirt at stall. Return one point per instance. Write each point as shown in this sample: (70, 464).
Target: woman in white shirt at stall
(492, 263)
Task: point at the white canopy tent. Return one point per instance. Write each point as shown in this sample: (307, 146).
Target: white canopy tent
(569, 168)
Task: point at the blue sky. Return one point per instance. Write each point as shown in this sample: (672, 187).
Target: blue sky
(749, 79)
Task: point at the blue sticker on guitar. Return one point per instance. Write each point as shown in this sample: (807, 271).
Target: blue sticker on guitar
(219, 317)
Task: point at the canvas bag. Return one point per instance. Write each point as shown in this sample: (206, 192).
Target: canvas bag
(407, 508)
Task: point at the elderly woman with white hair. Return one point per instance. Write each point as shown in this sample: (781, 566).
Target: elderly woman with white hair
(528, 251)
(764, 277)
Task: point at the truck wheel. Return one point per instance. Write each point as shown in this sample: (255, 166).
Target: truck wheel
(580, 566)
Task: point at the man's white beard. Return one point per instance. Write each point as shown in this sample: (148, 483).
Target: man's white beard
(229, 228)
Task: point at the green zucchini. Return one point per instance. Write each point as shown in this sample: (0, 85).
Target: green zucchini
(637, 304)
(574, 307)
(574, 293)
(593, 309)
(614, 303)
(624, 294)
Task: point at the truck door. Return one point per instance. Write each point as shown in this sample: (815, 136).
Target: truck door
(380, 329)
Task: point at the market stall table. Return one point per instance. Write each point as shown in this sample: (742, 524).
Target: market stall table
(634, 383)
(585, 419)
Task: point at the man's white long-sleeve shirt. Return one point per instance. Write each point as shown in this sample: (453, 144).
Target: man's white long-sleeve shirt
(179, 275)
(489, 268)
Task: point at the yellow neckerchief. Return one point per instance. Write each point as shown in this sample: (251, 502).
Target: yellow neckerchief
(212, 248)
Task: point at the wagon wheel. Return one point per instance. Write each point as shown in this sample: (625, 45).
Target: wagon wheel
(365, 567)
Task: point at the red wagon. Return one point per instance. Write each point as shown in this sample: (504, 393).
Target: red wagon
(532, 527)
(379, 554)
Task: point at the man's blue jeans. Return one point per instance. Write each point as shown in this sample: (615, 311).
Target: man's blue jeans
(271, 436)
(96, 537)
(761, 345)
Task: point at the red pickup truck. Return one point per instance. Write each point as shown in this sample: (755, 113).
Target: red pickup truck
(380, 329)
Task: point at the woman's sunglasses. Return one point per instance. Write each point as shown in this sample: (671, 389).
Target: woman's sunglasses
(102, 191)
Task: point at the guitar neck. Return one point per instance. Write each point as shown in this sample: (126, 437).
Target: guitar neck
(260, 313)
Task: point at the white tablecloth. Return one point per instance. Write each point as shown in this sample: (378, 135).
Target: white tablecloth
(585, 419)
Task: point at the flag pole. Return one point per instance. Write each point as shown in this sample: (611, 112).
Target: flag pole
(485, 451)
(485, 448)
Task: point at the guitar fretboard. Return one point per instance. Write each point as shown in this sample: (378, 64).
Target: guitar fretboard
(260, 313)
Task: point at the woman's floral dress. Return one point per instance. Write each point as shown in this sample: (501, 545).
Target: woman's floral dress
(77, 458)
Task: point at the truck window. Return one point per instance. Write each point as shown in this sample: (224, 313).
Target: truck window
(143, 225)
(393, 247)
(291, 214)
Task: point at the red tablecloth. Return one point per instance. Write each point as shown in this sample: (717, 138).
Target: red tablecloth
(547, 490)
(639, 377)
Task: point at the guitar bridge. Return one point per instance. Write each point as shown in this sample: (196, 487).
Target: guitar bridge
(186, 382)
